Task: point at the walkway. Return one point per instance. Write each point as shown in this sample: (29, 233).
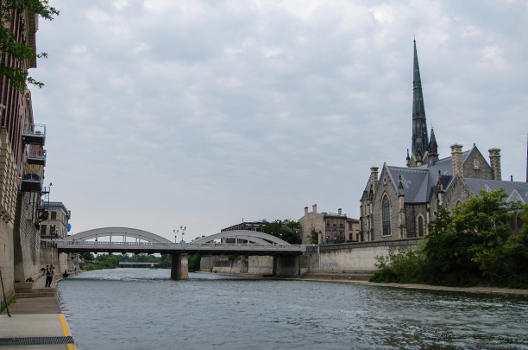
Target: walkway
(36, 319)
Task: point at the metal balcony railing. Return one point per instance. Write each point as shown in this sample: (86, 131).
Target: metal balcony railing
(31, 183)
(36, 156)
(35, 136)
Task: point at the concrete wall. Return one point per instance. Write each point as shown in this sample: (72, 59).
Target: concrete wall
(260, 265)
(7, 260)
(49, 255)
(351, 257)
(26, 237)
(224, 264)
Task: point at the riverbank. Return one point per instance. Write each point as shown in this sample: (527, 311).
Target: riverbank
(428, 287)
(36, 321)
(348, 278)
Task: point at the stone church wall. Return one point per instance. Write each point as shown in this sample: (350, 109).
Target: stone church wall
(476, 166)
(412, 211)
(457, 193)
(385, 187)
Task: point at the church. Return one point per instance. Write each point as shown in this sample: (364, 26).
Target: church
(400, 202)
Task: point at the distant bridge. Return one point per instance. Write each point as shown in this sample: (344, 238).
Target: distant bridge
(254, 243)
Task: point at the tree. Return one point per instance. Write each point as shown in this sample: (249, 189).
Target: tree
(20, 51)
(314, 236)
(86, 256)
(479, 243)
(287, 230)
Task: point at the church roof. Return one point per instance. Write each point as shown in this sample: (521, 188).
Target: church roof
(415, 182)
(418, 183)
(517, 191)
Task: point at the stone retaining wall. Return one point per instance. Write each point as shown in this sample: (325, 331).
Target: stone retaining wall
(336, 258)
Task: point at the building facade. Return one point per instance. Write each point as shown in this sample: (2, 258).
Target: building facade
(329, 227)
(22, 161)
(400, 202)
(56, 221)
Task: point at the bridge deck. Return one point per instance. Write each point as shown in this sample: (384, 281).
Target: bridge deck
(179, 248)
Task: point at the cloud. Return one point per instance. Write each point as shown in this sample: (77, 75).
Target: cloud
(198, 113)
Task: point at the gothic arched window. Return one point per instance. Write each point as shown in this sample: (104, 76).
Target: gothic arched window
(420, 226)
(385, 216)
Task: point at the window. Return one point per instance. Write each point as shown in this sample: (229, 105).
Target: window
(420, 226)
(385, 216)
(53, 215)
(42, 229)
(52, 229)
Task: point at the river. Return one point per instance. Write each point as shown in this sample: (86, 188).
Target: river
(144, 309)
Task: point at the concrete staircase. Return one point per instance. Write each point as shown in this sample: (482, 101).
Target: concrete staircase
(24, 290)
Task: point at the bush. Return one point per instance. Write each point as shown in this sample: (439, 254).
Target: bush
(477, 244)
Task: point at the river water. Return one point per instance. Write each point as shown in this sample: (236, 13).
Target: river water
(144, 309)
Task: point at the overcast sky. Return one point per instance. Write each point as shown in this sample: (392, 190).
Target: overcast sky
(202, 113)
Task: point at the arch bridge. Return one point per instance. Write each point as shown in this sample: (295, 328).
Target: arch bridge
(286, 256)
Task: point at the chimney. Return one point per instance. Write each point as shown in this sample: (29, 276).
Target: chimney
(374, 176)
(314, 208)
(456, 160)
(305, 211)
(339, 211)
(494, 154)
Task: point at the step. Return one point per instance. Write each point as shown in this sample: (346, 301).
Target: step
(35, 293)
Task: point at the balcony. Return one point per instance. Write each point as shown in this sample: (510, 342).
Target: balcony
(36, 136)
(36, 156)
(31, 183)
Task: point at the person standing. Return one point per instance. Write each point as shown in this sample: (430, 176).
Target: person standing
(48, 276)
(52, 272)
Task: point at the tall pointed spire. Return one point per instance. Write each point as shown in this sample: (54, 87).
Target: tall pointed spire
(420, 141)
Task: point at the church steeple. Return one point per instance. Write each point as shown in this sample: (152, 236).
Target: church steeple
(420, 142)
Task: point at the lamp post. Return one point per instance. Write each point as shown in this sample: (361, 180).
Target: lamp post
(183, 228)
(175, 232)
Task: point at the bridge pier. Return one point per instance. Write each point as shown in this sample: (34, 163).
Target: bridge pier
(180, 268)
(286, 265)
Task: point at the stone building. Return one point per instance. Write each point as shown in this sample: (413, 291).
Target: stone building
(57, 220)
(400, 202)
(330, 227)
(22, 160)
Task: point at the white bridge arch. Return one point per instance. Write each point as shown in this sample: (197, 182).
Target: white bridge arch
(252, 237)
(125, 232)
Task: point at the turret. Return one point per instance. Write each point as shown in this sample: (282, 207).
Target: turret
(433, 149)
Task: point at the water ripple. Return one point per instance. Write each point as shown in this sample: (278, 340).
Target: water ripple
(144, 309)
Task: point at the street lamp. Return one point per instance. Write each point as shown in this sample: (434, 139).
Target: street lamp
(183, 228)
(175, 232)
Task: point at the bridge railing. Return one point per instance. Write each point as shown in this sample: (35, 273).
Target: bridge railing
(180, 244)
